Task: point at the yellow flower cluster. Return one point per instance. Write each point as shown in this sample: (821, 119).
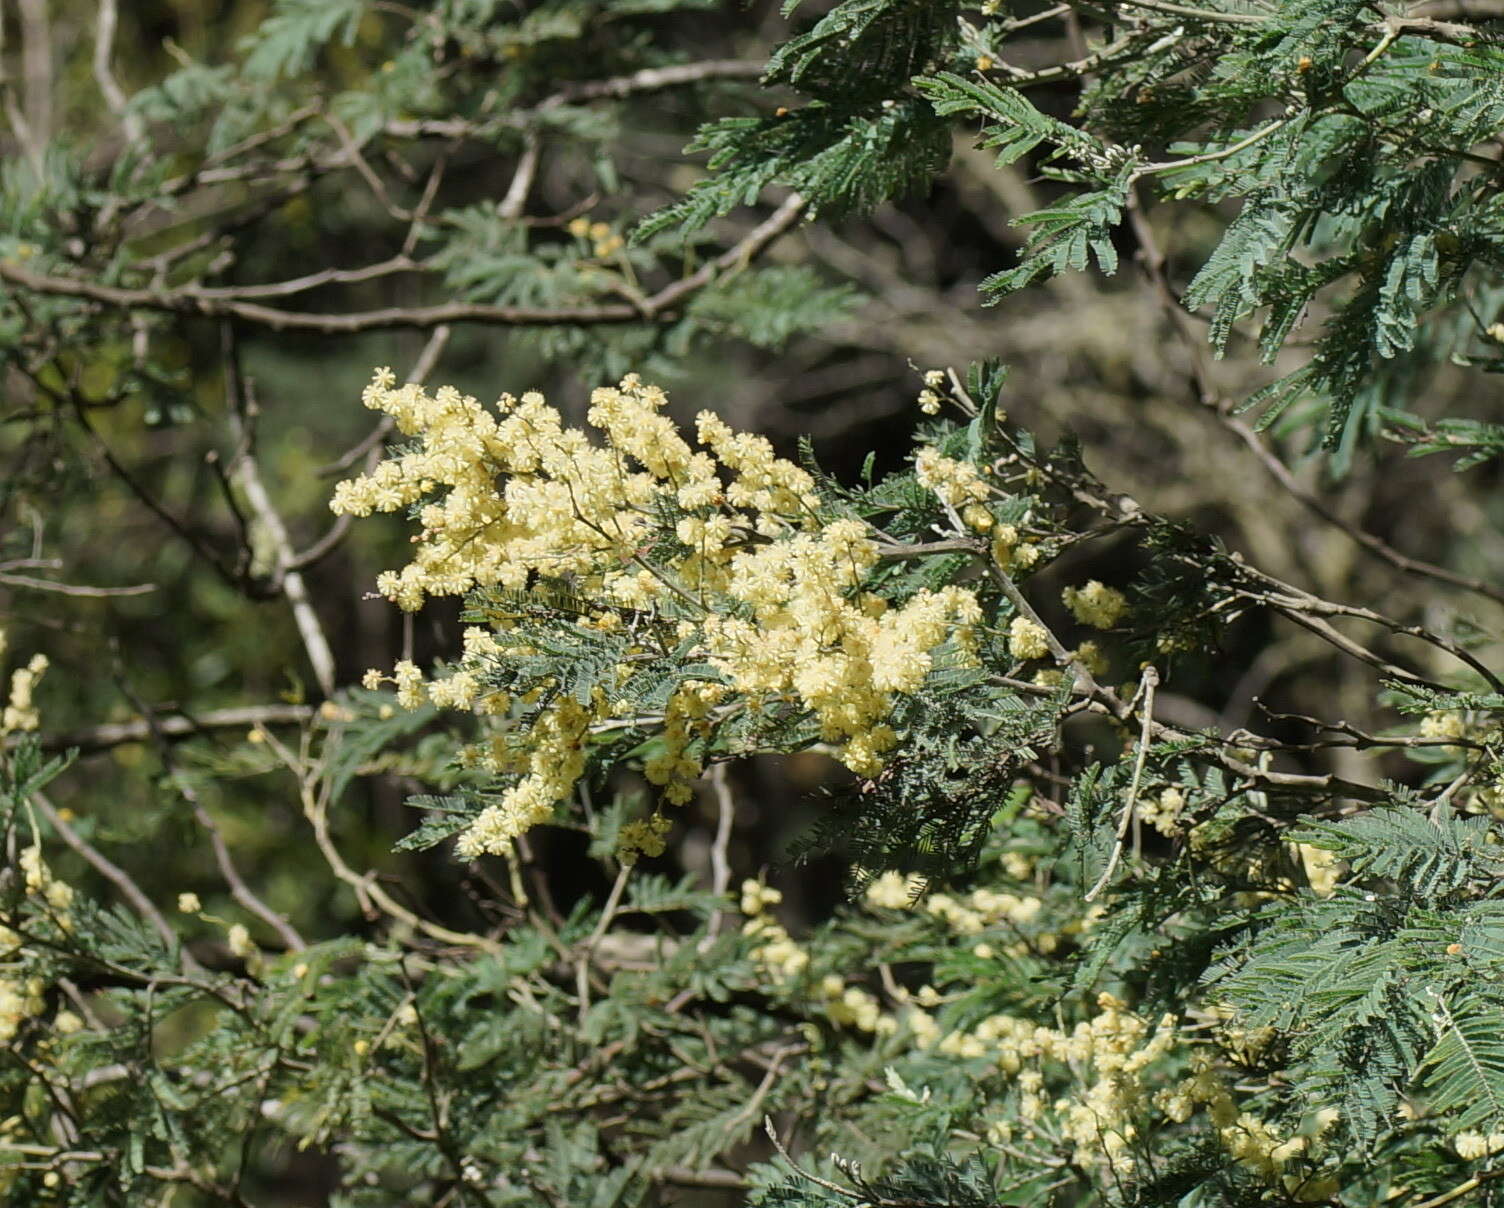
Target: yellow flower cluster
(813, 638)
(643, 837)
(1119, 1047)
(1449, 723)
(521, 493)
(1108, 1057)
(1473, 1145)
(550, 763)
(685, 718)
(776, 952)
(604, 241)
(1163, 812)
(760, 586)
(42, 884)
(955, 483)
(1248, 1139)
(1443, 724)
(783, 960)
(893, 891)
(969, 915)
(1107, 1060)
(22, 997)
(1009, 550)
(1026, 639)
(20, 713)
(1096, 605)
(1090, 656)
(19, 1001)
(981, 910)
(853, 1007)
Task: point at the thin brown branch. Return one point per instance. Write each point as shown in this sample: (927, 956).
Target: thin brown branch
(515, 201)
(1287, 596)
(194, 301)
(1148, 683)
(328, 276)
(683, 1176)
(195, 541)
(370, 895)
(74, 589)
(1374, 545)
(354, 154)
(652, 79)
(111, 872)
(171, 726)
(191, 301)
(36, 67)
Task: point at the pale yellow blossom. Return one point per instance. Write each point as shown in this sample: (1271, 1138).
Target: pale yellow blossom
(1026, 639)
(1096, 605)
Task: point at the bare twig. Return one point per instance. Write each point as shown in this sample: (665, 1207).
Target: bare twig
(368, 174)
(1374, 545)
(652, 79)
(195, 540)
(373, 899)
(1149, 682)
(36, 67)
(74, 589)
(684, 1176)
(328, 276)
(512, 204)
(608, 912)
(1462, 1189)
(15, 115)
(1286, 596)
(171, 726)
(720, 865)
(241, 407)
(656, 79)
(844, 1192)
(195, 301)
(1211, 16)
(104, 75)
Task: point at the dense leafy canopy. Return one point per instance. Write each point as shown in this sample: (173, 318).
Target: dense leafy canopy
(1167, 833)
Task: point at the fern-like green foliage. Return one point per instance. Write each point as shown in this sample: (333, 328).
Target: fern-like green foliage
(865, 49)
(287, 41)
(842, 158)
(1379, 992)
